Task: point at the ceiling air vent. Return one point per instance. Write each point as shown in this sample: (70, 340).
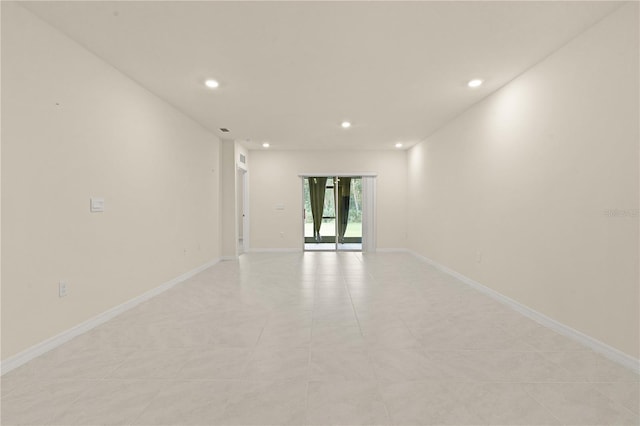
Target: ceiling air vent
(224, 130)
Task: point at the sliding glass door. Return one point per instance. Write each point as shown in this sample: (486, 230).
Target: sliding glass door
(332, 213)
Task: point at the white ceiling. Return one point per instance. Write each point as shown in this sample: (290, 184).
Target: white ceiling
(290, 72)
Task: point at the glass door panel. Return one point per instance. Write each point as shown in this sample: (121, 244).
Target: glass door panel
(320, 216)
(350, 214)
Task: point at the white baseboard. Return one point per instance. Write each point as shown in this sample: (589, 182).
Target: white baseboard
(297, 250)
(275, 250)
(55, 341)
(602, 348)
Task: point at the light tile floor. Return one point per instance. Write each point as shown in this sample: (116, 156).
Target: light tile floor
(332, 246)
(321, 338)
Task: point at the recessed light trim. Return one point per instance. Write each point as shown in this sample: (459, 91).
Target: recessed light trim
(345, 124)
(211, 84)
(266, 145)
(476, 82)
(398, 145)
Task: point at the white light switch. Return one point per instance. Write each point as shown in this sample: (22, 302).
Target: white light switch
(279, 206)
(97, 205)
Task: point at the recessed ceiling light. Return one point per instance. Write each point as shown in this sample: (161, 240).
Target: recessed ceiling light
(475, 83)
(211, 84)
(345, 124)
(398, 145)
(265, 145)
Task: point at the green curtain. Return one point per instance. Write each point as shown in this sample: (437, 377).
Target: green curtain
(317, 187)
(344, 193)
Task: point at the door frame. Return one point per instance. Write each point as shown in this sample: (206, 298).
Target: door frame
(242, 178)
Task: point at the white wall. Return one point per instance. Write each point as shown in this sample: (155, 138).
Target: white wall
(72, 128)
(526, 177)
(228, 232)
(274, 180)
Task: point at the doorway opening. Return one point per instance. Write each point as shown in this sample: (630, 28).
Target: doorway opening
(333, 213)
(241, 201)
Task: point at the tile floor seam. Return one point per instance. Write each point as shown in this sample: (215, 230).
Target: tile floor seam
(554, 415)
(370, 359)
(384, 402)
(114, 369)
(151, 400)
(623, 406)
(306, 398)
(73, 401)
(259, 337)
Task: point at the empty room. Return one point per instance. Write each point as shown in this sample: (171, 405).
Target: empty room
(320, 213)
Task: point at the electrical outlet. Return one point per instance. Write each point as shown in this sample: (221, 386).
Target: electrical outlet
(62, 288)
(479, 256)
(282, 235)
